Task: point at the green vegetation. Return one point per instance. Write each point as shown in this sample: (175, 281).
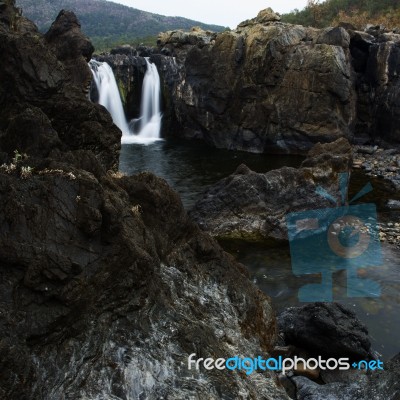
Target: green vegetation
(108, 24)
(106, 43)
(357, 12)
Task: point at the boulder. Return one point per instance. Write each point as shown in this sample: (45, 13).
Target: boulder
(334, 36)
(327, 330)
(253, 206)
(196, 36)
(377, 385)
(267, 15)
(263, 17)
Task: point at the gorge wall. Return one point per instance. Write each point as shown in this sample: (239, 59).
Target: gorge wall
(269, 86)
(106, 286)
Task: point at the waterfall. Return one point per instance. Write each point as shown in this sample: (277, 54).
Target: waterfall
(149, 122)
(150, 115)
(109, 94)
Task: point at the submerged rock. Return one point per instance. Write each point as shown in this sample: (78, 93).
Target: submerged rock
(253, 206)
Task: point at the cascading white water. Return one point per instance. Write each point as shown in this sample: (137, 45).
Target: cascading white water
(109, 94)
(149, 121)
(150, 118)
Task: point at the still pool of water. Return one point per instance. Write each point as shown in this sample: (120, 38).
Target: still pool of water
(190, 167)
(271, 271)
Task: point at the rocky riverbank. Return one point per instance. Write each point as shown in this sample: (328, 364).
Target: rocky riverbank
(106, 285)
(382, 167)
(253, 206)
(330, 330)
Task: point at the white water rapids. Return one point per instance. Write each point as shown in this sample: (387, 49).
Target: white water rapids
(149, 122)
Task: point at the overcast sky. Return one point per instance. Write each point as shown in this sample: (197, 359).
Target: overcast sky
(219, 12)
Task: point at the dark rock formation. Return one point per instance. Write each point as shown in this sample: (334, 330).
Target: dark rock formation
(71, 47)
(106, 286)
(314, 326)
(382, 168)
(253, 206)
(378, 85)
(265, 87)
(377, 385)
(274, 87)
(44, 96)
(309, 390)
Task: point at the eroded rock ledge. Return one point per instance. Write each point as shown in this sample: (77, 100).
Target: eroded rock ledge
(253, 206)
(269, 86)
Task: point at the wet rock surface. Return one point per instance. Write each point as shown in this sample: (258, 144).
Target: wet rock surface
(254, 206)
(129, 67)
(379, 163)
(106, 284)
(377, 385)
(381, 166)
(331, 330)
(313, 326)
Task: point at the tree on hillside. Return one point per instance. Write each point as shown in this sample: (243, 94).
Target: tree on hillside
(315, 10)
(357, 12)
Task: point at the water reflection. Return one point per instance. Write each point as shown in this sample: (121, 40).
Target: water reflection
(271, 270)
(190, 167)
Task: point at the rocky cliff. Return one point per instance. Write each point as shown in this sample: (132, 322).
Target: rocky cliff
(106, 285)
(269, 86)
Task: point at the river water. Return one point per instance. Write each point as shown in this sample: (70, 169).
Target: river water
(190, 167)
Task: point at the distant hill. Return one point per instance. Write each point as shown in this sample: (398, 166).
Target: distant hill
(357, 12)
(106, 22)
